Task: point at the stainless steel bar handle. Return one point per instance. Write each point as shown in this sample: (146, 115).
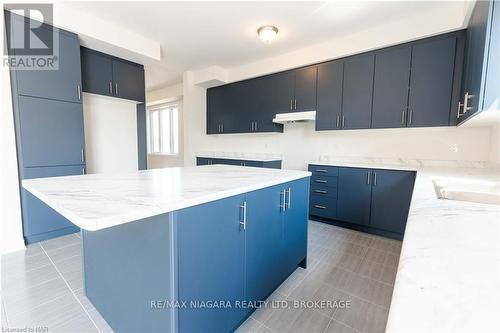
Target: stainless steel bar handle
(466, 102)
(291, 104)
(116, 88)
(322, 170)
(374, 178)
(110, 87)
(244, 222)
(320, 191)
(319, 207)
(321, 181)
(282, 201)
(255, 126)
(83, 171)
(410, 116)
(82, 155)
(338, 121)
(403, 117)
(368, 177)
(458, 109)
(79, 92)
(343, 121)
(295, 105)
(289, 204)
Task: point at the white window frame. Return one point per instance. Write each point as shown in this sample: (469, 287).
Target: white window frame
(174, 135)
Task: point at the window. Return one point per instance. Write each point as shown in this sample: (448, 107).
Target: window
(164, 129)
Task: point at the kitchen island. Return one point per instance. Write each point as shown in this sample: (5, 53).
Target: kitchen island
(183, 249)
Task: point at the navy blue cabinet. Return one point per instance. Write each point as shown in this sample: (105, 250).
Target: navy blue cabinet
(110, 76)
(357, 91)
(97, 72)
(305, 89)
(390, 87)
(431, 82)
(254, 242)
(265, 248)
(354, 195)
(276, 164)
(329, 105)
(39, 220)
(371, 200)
(211, 264)
(481, 84)
(48, 118)
(62, 83)
(51, 132)
(391, 197)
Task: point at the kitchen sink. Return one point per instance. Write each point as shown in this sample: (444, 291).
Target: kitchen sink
(472, 191)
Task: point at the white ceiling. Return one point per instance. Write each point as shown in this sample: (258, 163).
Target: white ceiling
(195, 35)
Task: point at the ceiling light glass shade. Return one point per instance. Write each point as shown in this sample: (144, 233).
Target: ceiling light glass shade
(267, 33)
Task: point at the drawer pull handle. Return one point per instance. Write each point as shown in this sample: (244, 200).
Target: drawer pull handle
(319, 207)
(321, 181)
(320, 191)
(322, 170)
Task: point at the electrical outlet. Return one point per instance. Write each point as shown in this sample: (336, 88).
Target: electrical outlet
(454, 147)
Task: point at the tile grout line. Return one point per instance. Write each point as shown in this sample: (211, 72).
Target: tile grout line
(71, 290)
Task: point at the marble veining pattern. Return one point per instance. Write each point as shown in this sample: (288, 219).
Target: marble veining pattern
(449, 269)
(98, 201)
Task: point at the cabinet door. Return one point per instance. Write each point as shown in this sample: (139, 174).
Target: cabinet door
(357, 91)
(202, 161)
(38, 218)
(282, 93)
(295, 225)
(305, 89)
(263, 105)
(431, 82)
(390, 87)
(354, 195)
(329, 108)
(62, 83)
(97, 73)
(391, 196)
(218, 102)
(128, 80)
(264, 242)
(51, 132)
(211, 264)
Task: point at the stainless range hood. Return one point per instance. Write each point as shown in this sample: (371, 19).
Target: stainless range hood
(293, 117)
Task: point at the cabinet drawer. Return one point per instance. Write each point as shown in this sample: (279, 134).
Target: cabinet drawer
(323, 206)
(323, 170)
(324, 191)
(324, 181)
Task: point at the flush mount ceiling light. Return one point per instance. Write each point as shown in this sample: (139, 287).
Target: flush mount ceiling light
(267, 33)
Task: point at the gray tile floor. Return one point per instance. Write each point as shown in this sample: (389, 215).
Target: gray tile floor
(42, 287)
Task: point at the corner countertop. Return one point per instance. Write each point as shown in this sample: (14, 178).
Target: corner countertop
(448, 277)
(99, 201)
(261, 157)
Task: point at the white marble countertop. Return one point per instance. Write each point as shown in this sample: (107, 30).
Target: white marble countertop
(448, 276)
(99, 201)
(261, 157)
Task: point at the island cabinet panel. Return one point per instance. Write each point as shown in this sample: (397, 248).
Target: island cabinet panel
(354, 195)
(64, 81)
(265, 248)
(358, 91)
(329, 107)
(431, 82)
(211, 264)
(391, 197)
(390, 88)
(51, 132)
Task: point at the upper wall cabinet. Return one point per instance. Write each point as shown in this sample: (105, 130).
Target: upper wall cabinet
(111, 76)
(305, 89)
(357, 91)
(63, 83)
(481, 84)
(329, 108)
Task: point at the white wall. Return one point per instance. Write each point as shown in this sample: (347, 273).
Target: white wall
(495, 146)
(300, 143)
(165, 95)
(110, 134)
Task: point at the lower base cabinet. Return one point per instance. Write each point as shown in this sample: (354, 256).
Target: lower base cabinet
(370, 200)
(227, 161)
(258, 240)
